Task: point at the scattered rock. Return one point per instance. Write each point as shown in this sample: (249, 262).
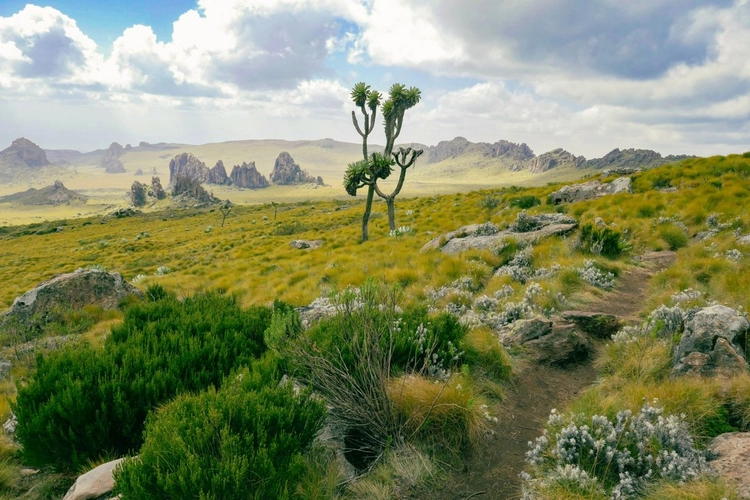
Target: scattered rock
(598, 325)
(121, 213)
(111, 159)
(247, 176)
(187, 165)
(27, 152)
(306, 244)
(562, 346)
(32, 310)
(525, 330)
(712, 343)
(732, 459)
(95, 483)
(286, 172)
(9, 427)
(591, 190)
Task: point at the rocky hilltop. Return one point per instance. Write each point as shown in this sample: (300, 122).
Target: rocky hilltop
(218, 174)
(56, 194)
(247, 176)
(445, 150)
(631, 159)
(286, 172)
(111, 159)
(187, 165)
(555, 158)
(26, 152)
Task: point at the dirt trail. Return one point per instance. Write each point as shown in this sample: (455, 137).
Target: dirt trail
(492, 471)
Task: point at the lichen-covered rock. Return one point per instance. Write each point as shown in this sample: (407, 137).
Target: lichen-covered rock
(95, 483)
(525, 330)
(591, 190)
(285, 172)
(33, 310)
(306, 244)
(731, 452)
(562, 346)
(713, 343)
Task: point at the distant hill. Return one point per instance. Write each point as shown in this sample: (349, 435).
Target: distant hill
(23, 161)
(56, 194)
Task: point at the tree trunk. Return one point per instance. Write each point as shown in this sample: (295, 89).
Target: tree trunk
(368, 209)
(391, 202)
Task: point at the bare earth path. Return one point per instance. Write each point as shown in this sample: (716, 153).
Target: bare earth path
(492, 471)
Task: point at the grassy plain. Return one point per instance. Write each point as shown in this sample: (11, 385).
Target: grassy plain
(188, 251)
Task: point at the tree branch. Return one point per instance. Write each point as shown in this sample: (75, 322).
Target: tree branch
(356, 124)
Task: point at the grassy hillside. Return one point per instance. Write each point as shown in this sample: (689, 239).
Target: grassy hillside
(187, 251)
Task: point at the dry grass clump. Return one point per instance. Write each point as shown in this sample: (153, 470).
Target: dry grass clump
(402, 470)
(439, 411)
(485, 354)
(704, 489)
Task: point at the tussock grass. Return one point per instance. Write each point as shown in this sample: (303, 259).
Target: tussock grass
(706, 489)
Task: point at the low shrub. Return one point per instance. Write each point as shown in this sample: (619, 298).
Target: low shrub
(603, 241)
(84, 402)
(524, 202)
(619, 457)
(245, 441)
(674, 236)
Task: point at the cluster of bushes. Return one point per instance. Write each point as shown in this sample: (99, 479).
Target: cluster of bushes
(84, 402)
(603, 241)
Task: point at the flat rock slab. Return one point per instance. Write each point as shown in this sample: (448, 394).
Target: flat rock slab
(306, 244)
(732, 462)
(453, 243)
(95, 483)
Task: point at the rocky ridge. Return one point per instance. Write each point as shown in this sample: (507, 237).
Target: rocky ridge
(56, 194)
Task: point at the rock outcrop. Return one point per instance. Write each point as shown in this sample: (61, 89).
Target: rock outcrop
(553, 159)
(632, 159)
(30, 312)
(218, 174)
(731, 452)
(247, 176)
(286, 172)
(488, 236)
(187, 165)
(95, 483)
(713, 343)
(27, 152)
(598, 325)
(445, 150)
(111, 160)
(56, 194)
(591, 190)
(306, 244)
(547, 342)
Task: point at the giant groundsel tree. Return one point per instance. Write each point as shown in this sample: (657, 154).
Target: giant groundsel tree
(374, 167)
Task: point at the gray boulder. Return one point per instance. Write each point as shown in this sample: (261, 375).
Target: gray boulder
(306, 244)
(712, 343)
(547, 343)
(591, 190)
(525, 330)
(731, 460)
(95, 483)
(33, 310)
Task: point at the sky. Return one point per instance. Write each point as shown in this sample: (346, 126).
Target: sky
(584, 75)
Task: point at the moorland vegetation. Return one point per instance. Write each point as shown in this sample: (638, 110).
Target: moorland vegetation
(246, 348)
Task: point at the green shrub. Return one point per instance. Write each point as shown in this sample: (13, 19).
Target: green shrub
(674, 236)
(245, 441)
(601, 241)
(525, 202)
(83, 402)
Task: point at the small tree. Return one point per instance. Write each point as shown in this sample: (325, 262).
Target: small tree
(225, 208)
(372, 168)
(138, 194)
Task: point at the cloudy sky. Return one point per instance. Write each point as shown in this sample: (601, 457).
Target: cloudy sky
(585, 75)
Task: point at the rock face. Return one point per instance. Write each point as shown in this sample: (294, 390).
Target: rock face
(95, 483)
(187, 165)
(28, 152)
(56, 194)
(286, 172)
(732, 459)
(631, 159)
(32, 310)
(111, 160)
(218, 174)
(713, 343)
(553, 159)
(488, 236)
(591, 190)
(247, 176)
